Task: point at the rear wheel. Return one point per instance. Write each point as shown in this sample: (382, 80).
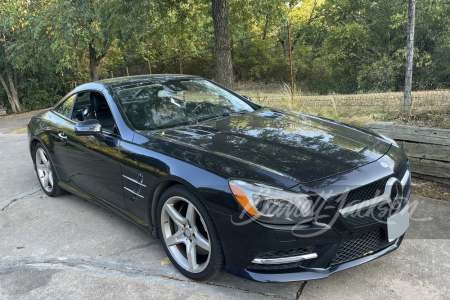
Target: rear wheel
(188, 234)
(45, 172)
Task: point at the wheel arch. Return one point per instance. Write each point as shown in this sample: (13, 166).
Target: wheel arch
(159, 188)
(33, 142)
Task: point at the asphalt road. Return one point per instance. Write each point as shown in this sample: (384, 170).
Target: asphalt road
(69, 248)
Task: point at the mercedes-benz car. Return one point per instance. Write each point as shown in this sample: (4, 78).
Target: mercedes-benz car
(266, 194)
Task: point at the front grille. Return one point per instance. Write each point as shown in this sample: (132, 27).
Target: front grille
(375, 214)
(378, 213)
(273, 267)
(357, 247)
(280, 254)
(369, 191)
(371, 215)
(284, 253)
(364, 193)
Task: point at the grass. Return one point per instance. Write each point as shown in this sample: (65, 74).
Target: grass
(18, 131)
(429, 108)
(26, 113)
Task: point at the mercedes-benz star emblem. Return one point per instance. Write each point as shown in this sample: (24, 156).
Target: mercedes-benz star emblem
(396, 193)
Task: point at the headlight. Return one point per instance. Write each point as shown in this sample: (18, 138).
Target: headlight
(271, 204)
(390, 140)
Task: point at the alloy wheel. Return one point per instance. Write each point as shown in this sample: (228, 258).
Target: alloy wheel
(44, 170)
(185, 234)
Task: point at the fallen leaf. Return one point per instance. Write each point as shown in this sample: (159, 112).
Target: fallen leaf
(165, 261)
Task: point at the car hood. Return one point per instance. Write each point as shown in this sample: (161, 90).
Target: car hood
(301, 147)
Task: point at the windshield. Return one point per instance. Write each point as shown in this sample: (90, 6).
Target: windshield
(172, 103)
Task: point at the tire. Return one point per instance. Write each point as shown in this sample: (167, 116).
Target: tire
(45, 172)
(188, 234)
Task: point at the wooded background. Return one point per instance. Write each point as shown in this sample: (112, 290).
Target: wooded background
(338, 46)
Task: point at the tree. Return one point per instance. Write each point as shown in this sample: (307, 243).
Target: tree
(180, 32)
(11, 87)
(341, 46)
(12, 20)
(76, 27)
(89, 27)
(222, 43)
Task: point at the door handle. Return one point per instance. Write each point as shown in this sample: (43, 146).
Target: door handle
(62, 136)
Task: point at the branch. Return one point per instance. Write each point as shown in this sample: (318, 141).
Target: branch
(105, 49)
(311, 18)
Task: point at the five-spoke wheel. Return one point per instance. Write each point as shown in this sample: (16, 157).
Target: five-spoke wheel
(45, 172)
(188, 234)
(185, 234)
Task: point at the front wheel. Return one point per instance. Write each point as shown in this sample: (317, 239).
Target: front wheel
(45, 172)
(188, 234)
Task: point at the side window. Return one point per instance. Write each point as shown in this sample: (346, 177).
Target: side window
(65, 107)
(83, 98)
(101, 111)
(82, 107)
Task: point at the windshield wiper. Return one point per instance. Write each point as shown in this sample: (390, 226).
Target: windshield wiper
(222, 115)
(241, 112)
(212, 118)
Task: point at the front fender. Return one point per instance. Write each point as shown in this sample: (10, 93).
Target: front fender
(158, 170)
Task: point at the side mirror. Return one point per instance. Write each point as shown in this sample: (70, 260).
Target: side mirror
(90, 127)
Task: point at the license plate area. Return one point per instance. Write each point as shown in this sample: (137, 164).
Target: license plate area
(398, 223)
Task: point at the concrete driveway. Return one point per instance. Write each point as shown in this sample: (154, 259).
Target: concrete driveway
(13, 123)
(69, 248)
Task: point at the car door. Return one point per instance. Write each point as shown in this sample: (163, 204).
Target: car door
(90, 164)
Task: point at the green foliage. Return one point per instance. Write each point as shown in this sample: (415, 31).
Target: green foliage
(338, 46)
(42, 90)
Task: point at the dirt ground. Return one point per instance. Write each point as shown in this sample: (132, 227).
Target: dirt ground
(430, 189)
(436, 119)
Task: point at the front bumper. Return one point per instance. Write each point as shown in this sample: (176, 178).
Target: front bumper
(341, 245)
(331, 247)
(304, 273)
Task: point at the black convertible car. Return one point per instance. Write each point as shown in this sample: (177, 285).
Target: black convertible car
(266, 194)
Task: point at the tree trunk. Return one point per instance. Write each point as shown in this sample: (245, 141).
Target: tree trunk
(265, 27)
(95, 58)
(409, 54)
(12, 92)
(93, 69)
(222, 39)
(93, 63)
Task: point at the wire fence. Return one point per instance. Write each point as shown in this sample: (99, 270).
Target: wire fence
(373, 103)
